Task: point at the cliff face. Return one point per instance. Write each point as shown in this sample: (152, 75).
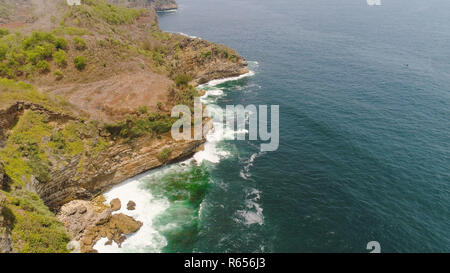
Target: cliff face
(95, 110)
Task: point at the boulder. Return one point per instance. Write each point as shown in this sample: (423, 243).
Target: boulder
(131, 205)
(115, 204)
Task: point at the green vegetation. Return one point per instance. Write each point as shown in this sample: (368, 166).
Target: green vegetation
(60, 58)
(43, 66)
(24, 155)
(142, 110)
(12, 91)
(34, 228)
(164, 155)
(182, 80)
(146, 123)
(206, 54)
(24, 55)
(32, 145)
(58, 75)
(61, 43)
(70, 31)
(3, 32)
(158, 57)
(79, 43)
(183, 95)
(114, 15)
(80, 62)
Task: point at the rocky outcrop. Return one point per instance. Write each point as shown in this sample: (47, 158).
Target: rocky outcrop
(163, 5)
(5, 235)
(89, 221)
(119, 162)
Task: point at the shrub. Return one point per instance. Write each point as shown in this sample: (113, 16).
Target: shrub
(60, 58)
(157, 57)
(58, 75)
(38, 38)
(61, 43)
(3, 32)
(143, 110)
(182, 80)
(79, 43)
(164, 155)
(43, 66)
(206, 54)
(80, 62)
(38, 53)
(112, 14)
(27, 69)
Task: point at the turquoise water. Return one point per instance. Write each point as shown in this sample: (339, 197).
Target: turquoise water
(364, 95)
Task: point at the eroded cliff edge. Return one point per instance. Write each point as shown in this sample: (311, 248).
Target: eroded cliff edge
(85, 95)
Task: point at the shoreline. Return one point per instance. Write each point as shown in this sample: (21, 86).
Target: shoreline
(129, 190)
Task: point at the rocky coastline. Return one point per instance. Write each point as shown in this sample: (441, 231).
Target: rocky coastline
(68, 176)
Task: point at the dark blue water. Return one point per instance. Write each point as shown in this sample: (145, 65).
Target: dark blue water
(364, 95)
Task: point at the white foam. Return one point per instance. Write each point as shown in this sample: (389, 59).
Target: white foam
(220, 81)
(168, 11)
(148, 239)
(245, 172)
(218, 133)
(147, 208)
(253, 213)
(190, 36)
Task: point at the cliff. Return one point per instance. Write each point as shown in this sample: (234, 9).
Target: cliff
(85, 99)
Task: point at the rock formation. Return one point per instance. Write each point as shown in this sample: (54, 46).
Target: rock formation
(88, 222)
(131, 205)
(115, 204)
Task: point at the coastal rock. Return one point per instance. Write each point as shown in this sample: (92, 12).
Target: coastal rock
(131, 205)
(114, 230)
(115, 204)
(91, 222)
(78, 215)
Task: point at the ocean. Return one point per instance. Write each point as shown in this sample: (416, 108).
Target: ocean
(364, 154)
